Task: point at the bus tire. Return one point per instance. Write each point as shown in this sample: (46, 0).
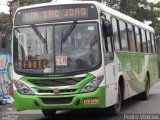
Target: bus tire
(145, 95)
(116, 108)
(48, 112)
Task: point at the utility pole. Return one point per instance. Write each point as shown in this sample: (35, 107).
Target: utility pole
(14, 4)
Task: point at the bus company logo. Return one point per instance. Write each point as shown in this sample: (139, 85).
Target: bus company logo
(56, 91)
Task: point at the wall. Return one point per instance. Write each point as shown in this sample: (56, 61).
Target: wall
(5, 73)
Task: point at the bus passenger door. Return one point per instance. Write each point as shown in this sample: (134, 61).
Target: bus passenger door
(109, 66)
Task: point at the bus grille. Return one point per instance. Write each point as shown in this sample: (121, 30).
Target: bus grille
(57, 100)
(56, 82)
(61, 91)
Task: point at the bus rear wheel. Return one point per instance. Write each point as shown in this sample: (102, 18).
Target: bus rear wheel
(145, 94)
(49, 112)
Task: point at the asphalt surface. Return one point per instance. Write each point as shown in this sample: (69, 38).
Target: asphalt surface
(132, 109)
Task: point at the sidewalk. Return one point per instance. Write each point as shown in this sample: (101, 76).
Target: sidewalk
(7, 107)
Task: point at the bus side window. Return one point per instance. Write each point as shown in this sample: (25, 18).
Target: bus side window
(153, 42)
(149, 42)
(131, 38)
(123, 35)
(115, 34)
(138, 40)
(144, 43)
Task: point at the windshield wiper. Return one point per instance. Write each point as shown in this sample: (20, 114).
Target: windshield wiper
(69, 31)
(44, 40)
(39, 34)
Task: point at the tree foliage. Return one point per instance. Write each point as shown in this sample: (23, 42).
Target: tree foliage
(153, 14)
(115, 4)
(138, 9)
(5, 23)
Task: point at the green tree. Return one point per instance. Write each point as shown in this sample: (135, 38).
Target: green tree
(138, 9)
(133, 8)
(153, 14)
(110, 3)
(5, 31)
(5, 23)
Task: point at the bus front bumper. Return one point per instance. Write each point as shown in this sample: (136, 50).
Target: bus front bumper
(94, 99)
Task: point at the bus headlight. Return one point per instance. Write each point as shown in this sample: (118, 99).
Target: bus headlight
(22, 88)
(93, 84)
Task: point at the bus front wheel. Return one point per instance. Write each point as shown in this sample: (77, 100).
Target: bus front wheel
(48, 112)
(116, 108)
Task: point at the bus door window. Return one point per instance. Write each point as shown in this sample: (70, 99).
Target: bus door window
(108, 41)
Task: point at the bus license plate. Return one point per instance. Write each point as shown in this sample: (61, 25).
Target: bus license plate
(90, 100)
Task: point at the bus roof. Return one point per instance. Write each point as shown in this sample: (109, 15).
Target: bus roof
(125, 18)
(100, 7)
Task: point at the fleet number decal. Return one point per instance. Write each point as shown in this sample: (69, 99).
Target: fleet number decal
(61, 60)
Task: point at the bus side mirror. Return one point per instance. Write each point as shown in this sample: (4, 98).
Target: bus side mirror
(107, 28)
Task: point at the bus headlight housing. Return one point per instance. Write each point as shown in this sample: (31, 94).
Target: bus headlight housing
(93, 84)
(22, 88)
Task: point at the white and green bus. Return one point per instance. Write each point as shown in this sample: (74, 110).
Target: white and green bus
(80, 54)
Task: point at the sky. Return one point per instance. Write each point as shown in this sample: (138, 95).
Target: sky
(4, 8)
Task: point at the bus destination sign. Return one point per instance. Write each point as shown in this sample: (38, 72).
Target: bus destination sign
(55, 13)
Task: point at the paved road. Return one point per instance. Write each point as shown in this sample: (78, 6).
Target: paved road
(130, 109)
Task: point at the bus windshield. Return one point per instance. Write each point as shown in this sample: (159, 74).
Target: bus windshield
(52, 49)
